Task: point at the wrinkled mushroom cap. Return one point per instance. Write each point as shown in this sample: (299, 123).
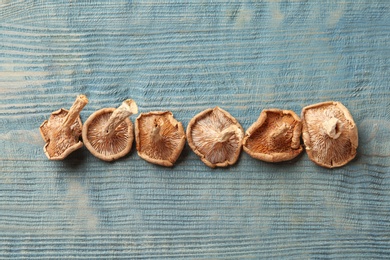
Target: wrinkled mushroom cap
(60, 141)
(216, 137)
(274, 137)
(329, 133)
(104, 147)
(160, 138)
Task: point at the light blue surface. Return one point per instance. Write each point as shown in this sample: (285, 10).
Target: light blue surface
(185, 57)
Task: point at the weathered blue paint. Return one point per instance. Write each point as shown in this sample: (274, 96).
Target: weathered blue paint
(185, 57)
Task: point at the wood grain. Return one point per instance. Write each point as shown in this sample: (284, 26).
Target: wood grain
(243, 56)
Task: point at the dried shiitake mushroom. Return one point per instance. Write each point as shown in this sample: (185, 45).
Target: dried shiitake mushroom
(216, 137)
(62, 131)
(275, 136)
(108, 133)
(329, 134)
(160, 138)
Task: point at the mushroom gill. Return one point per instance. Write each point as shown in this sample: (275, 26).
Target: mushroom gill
(275, 136)
(216, 137)
(62, 131)
(108, 133)
(104, 143)
(329, 133)
(160, 138)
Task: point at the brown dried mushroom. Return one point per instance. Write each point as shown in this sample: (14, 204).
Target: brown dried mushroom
(62, 131)
(216, 137)
(160, 137)
(108, 133)
(275, 136)
(329, 133)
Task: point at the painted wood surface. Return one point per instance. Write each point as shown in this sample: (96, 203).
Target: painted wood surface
(243, 56)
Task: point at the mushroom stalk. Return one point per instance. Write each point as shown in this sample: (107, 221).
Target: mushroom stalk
(280, 131)
(75, 110)
(226, 134)
(128, 108)
(332, 128)
(155, 133)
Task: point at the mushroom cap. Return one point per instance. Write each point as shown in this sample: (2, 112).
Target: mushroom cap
(320, 146)
(274, 137)
(66, 138)
(204, 137)
(165, 149)
(104, 147)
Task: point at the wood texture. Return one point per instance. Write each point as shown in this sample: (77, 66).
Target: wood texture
(243, 56)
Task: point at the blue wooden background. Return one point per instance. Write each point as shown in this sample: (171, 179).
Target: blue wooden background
(243, 56)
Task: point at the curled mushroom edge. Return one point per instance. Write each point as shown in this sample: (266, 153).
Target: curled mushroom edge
(274, 137)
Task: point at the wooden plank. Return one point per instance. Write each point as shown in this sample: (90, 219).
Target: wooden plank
(185, 57)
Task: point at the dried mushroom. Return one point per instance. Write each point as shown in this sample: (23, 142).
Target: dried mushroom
(216, 137)
(329, 134)
(62, 131)
(108, 133)
(160, 138)
(275, 136)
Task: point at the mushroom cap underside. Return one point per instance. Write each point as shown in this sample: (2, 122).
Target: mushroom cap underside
(160, 138)
(329, 133)
(60, 141)
(103, 146)
(274, 137)
(216, 137)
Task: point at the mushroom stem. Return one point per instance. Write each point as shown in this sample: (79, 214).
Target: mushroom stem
(155, 134)
(128, 108)
(75, 110)
(226, 134)
(332, 128)
(280, 130)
